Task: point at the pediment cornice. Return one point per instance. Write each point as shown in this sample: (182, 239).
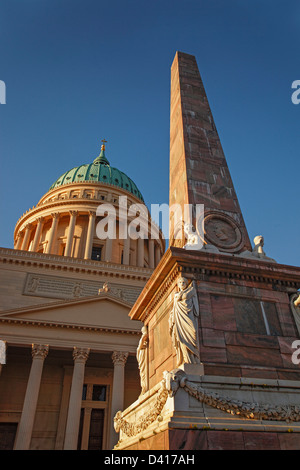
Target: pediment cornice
(19, 316)
(77, 265)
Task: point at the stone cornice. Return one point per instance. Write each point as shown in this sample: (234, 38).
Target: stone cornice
(201, 265)
(13, 316)
(65, 303)
(64, 263)
(82, 184)
(68, 326)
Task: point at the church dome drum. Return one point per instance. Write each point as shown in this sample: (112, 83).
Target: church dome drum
(64, 221)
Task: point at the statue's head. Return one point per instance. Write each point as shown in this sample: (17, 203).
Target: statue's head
(259, 240)
(144, 330)
(182, 283)
(296, 299)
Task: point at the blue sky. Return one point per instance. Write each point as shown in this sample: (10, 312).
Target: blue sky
(79, 71)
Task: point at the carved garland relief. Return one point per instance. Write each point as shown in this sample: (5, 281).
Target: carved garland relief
(178, 379)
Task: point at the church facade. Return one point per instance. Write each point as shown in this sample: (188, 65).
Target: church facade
(70, 347)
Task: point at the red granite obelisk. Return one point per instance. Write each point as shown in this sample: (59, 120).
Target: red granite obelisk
(199, 172)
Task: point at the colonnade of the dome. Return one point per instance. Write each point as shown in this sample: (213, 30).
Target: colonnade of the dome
(65, 223)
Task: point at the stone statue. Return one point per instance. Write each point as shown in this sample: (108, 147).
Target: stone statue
(193, 240)
(295, 306)
(104, 288)
(141, 355)
(258, 246)
(257, 251)
(77, 290)
(183, 323)
(33, 285)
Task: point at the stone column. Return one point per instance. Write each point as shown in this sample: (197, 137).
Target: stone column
(69, 244)
(26, 237)
(39, 353)
(140, 252)
(86, 428)
(108, 249)
(90, 235)
(37, 235)
(117, 402)
(151, 253)
(2, 354)
(53, 229)
(126, 250)
(19, 241)
(157, 255)
(71, 437)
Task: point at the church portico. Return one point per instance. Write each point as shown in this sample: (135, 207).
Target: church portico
(79, 311)
(67, 388)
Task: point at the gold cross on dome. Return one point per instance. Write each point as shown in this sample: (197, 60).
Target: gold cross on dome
(103, 144)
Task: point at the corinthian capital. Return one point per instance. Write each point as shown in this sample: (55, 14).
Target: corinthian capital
(119, 357)
(80, 354)
(39, 351)
(73, 213)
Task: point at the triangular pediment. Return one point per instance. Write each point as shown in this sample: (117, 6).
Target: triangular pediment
(102, 311)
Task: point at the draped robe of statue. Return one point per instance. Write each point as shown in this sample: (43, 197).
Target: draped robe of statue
(141, 355)
(183, 323)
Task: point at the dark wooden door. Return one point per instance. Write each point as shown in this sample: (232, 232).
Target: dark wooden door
(96, 429)
(7, 435)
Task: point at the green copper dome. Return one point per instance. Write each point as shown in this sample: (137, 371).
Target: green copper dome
(99, 171)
